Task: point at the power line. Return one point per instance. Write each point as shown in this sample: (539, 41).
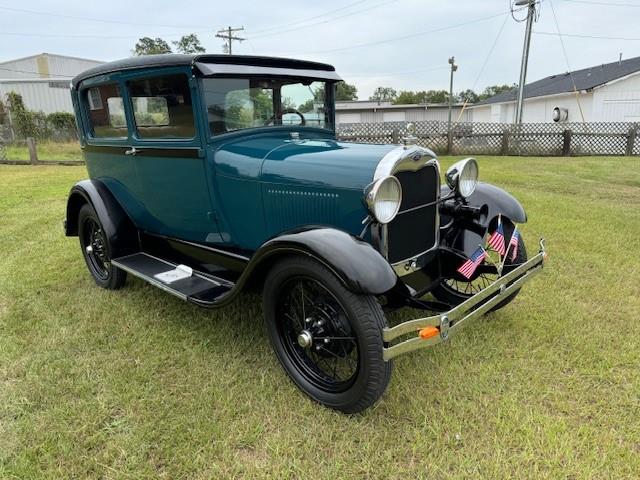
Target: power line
(93, 19)
(605, 4)
(566, 58)
(389, 74)
(288, 24)
(486, 60)
(595, 37)
(411, 35)
(58, 35)
(280, 32)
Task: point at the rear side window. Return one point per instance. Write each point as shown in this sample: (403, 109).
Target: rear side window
(162, 107)
(106, 111)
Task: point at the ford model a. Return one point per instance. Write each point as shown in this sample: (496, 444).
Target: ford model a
(211, 174)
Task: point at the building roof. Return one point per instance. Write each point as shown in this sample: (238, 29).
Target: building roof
(49, 55)
(172, 59)
(585, 79)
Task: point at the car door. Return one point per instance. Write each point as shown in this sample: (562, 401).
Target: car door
(107, 135)
(169, 158)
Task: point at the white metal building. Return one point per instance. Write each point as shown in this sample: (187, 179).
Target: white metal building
(377, 112)
(42, 80)
(603, 93)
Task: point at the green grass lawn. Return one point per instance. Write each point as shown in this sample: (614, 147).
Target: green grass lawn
(137, 384)
(47, 151)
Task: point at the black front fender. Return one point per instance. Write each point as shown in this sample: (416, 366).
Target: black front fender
(356, 263)
(118, 227)
(466, 234)
(499, 202)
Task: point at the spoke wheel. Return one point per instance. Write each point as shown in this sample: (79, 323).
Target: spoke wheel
(95, 247)
(327, 338)
(317, 334)
(95, 250)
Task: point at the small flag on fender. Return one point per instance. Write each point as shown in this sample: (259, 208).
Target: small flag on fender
(468, 267)
(496, 241)
(513, 243)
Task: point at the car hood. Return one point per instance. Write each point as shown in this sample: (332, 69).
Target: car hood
(323, 163)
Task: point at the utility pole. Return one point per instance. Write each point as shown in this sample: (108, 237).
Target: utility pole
(227, 34)
(531, 13)
(454, 67)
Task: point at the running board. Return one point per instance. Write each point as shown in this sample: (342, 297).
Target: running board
(179, 280)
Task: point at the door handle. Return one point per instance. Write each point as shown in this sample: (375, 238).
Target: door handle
(131, 151)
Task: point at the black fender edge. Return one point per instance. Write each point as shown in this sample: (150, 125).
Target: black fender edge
(360, 267)
(120, 231)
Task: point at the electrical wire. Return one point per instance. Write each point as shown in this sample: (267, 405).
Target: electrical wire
(357, 12)
(595, 37)
(288, 24)
(566, 58)
(93, 19)
(411, 35)
(486, 60)
(58, 35)
(605, 4)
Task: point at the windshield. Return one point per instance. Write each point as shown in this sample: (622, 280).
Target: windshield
(240, 103)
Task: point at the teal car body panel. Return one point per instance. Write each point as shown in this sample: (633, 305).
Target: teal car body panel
(237, 189)
(269, 183)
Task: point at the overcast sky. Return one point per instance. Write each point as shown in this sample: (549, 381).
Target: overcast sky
(404, 44)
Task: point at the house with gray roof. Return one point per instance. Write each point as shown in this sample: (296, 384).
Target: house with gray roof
(602, 93)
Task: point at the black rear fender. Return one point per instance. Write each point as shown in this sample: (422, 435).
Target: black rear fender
(119, 229)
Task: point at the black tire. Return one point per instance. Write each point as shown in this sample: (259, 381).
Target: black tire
(96, 250)
(352, 322)
(446, 293)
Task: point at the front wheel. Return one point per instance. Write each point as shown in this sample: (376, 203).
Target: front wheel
(328, 339)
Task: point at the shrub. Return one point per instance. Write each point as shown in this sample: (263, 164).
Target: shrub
(61, 121)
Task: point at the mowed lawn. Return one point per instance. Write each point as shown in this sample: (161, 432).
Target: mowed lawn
(137, 384)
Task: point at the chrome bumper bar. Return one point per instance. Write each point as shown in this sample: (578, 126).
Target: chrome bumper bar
(447, 323)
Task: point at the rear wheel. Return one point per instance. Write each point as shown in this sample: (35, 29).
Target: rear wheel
(456, 290)
(95, 250)
(328, 339)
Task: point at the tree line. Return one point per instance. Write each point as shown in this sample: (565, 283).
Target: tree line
(405, 97)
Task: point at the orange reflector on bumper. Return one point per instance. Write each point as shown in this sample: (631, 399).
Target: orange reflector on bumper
(428, 332)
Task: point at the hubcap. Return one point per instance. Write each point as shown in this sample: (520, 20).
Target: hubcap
(305, 339)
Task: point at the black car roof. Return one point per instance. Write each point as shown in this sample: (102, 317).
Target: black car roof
(173, 59)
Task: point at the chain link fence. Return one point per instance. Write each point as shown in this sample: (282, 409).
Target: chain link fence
(543, 139)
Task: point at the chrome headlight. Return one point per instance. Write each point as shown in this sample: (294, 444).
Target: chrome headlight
(462, 176)
(383, 199)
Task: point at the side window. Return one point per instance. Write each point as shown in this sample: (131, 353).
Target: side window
(106, 111)
(162, 107)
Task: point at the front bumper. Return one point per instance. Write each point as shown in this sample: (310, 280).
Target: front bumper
(448, 323)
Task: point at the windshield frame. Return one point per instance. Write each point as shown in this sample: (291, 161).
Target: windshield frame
(329, 103)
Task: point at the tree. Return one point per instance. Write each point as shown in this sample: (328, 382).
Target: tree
(346, 92)
(468, 96)
(429, 96)
(384, 94)
(189, 44)
(493, 90)
(151, 46)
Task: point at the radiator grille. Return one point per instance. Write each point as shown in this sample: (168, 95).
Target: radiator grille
(415, 228)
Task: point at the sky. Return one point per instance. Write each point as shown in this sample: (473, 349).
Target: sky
(404, 44)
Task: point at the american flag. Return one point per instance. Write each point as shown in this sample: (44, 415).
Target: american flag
(469, 266)
(513, 243)
(496, 241)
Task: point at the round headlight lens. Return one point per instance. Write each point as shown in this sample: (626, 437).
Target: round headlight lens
(468, 178)
(384, 199)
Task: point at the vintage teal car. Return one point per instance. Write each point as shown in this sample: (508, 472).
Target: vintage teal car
(213, 174)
